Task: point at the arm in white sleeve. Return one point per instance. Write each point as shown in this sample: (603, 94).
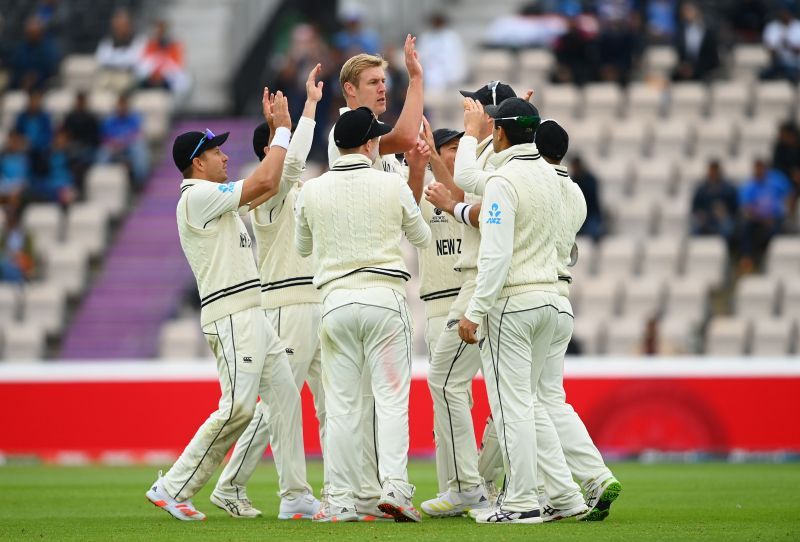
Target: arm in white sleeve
(467, 175)
(416, 229)
(302, 233)
(497, 246)
(293, 166)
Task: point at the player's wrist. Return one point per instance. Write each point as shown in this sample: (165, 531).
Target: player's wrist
(281, 138)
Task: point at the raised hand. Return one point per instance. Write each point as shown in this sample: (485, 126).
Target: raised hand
(314, 88)
(266, 106)
(280, 111)
(528, 95)
(439, 195)
(413, 65)
(427, 135)
(474, 118)
(419, 155)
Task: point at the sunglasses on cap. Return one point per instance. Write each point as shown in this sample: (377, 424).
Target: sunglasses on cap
(493, 87)
(208, 136)
(522, 120)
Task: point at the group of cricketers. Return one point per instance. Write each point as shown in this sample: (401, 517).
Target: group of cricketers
(494, 217)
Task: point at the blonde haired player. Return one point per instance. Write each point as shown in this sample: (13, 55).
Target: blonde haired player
(250, 359)
(363, 82)
(352, 219)
(293, 307)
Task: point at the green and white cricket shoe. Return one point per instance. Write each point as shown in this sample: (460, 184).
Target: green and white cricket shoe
(599, 498)
(236, 508)
(455, 503)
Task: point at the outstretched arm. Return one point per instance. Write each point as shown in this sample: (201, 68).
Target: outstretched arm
(405, 132)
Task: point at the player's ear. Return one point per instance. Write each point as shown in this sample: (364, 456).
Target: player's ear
(349, 89)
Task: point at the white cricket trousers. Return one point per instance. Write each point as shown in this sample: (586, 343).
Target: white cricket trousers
(365, 329)
(582, 456)
(453, 365)
(298, 331)
(249, 356)
(518, 331)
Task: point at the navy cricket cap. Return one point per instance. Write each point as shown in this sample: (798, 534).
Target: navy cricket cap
(490, 94)
(260, 139)
(356, 127)
(444, 135)
(552, 140)
(190, 145)
(519, 118)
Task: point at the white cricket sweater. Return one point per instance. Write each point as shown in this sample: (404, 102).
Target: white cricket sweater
(220, 256)
(574, 216)
(472, 168)
(439, 283)
(352, 218)
(286, 278)
(520, 221)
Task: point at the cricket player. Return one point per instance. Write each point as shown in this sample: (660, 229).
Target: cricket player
(515, 297)
(351, 219)
(293, 307)
(582, 457)
(363, 82)
(454, 363)
(250, 359)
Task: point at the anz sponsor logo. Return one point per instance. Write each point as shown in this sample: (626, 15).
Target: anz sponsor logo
(494, 214)
(448, 247)
(227, 187)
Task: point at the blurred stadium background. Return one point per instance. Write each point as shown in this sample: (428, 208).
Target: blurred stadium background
(683, 124)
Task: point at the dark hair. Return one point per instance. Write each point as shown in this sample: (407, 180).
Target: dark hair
(187, 173)
(517, 134)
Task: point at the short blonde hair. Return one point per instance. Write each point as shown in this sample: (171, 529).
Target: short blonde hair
(355, 66)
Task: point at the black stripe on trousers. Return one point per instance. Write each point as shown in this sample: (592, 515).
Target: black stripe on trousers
(246, 450)
(233, 398)
(461, 348)
(497, 383)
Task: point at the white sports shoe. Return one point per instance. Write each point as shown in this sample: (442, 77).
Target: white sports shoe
(236, 508)
(397, 503)
(184, 511)
(500, 516)
(454, 503)
(302, 507)
(554, 514)
(328, 514)
(494, 504)
(599, 498)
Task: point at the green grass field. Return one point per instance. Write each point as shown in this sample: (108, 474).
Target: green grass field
(659, 502)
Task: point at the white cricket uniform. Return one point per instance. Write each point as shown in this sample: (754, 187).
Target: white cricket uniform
(293, 308)
(352, 219)
(370, 483)
(515, 303)
(439, 286)
(454, 363)
(250, 359)
(582, 456)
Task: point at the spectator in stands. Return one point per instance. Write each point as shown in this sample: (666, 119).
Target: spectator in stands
(118, 54)
(618, 47)
(15, 171)
(534, 25)
(83, 128)
(161, 65)
(782, 40)
(35, 58)
(661, 20)
(123, 141)
(306, 49)
(585, 179)
(764, 201)
(696, 45)
(58, 184)
(715, 204)
(786, 152)
(37, 127)
(441, 53)
(575, 57)
(354, 38)
(16, 252)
